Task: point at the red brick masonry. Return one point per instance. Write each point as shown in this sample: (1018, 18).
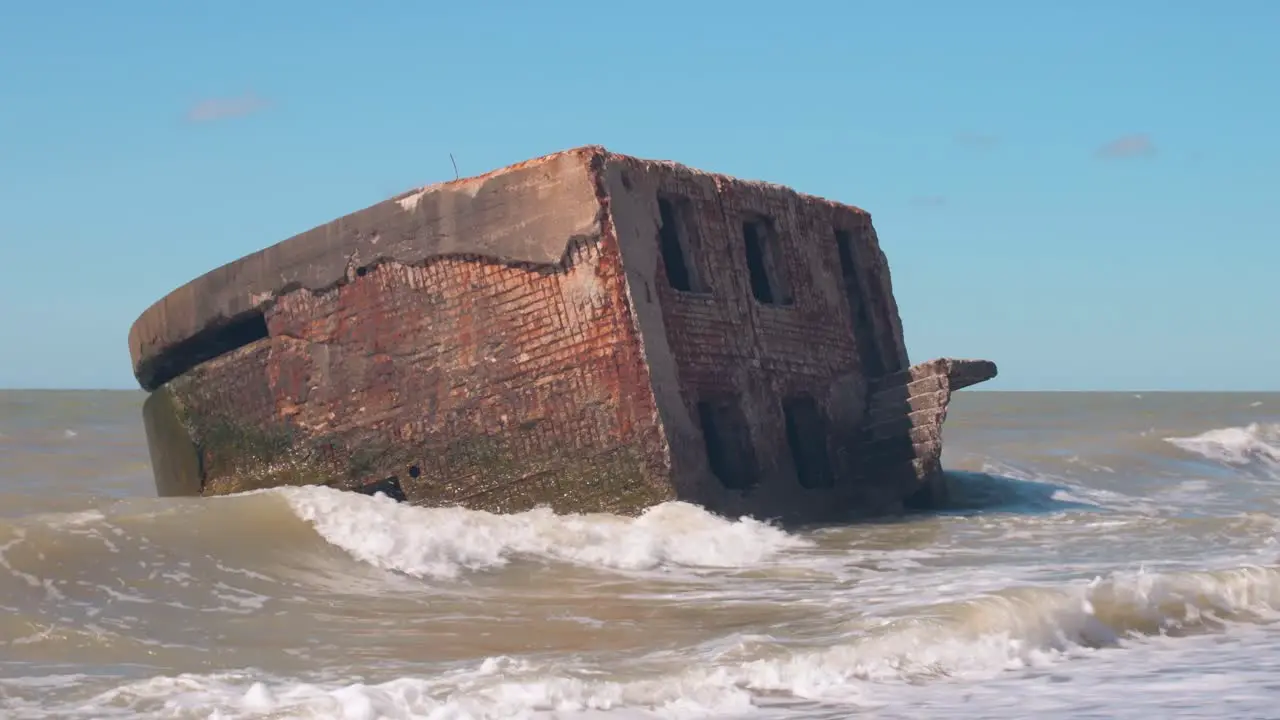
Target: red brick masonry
(586, 330)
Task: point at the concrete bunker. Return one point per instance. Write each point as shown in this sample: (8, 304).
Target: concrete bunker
(587, 330)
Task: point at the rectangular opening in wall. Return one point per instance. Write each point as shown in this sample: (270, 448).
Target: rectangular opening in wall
(769, 281)
(730, 454)
(807, 439)
(211, 342)
(678, 239)
(844, 243)
(864, 332)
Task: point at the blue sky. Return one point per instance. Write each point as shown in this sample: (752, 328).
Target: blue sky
(1084, 192)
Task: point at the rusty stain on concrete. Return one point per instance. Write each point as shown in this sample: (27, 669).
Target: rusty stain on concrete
(586, 330)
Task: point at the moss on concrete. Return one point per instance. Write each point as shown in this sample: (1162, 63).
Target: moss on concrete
(482, 471)
(238, 456)
(488, 475)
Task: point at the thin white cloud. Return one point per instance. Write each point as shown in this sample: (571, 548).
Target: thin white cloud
(214, 109)
(1128, 146)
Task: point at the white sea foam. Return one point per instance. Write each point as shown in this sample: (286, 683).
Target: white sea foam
(1256, 443)
(984, 638)
(442, 542)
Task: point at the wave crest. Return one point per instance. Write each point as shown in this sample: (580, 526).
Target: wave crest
(443, 542)
(1253, 444)
(975, 639)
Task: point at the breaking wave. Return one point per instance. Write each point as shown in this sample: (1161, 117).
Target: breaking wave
(821, 623)
(978, 638)
(273, 535)
(1256, 444)
(443, 542)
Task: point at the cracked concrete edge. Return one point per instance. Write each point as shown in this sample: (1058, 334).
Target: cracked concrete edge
(531, 213)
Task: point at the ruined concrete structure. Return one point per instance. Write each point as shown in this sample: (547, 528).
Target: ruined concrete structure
(586, 330)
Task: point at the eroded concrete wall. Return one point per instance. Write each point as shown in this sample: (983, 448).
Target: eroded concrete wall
(720, 342)
(497, 385)
(515, 340)
(529, 213)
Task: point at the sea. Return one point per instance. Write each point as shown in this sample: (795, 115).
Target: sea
(1103, 555)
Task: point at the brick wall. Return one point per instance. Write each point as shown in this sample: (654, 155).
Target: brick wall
(724, 344)
(467, 379)
(583, 384)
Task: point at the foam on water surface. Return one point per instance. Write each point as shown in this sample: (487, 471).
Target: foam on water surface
(1256, 443)
(1086, 567)
(1022, 632)
(442, 542)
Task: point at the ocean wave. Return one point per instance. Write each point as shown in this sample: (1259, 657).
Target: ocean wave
(979, 638)
(1251, 445)
(1001, 487)
(295, 535)
(443, 542)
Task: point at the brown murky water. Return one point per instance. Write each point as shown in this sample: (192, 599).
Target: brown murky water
(1107, 555)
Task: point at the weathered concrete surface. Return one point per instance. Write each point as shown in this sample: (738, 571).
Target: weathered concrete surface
(586, 330)
(719, 342)
(903, 435)
(529, 213)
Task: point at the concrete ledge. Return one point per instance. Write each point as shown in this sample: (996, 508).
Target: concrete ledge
(528, 213)
(908, 409)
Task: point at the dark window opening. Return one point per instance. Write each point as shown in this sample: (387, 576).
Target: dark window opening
(211, 342)
(389, 487)
(807, 438)
(676, 238)
(864, 332)
(769, 283)
(728, 444)
(844, 244)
